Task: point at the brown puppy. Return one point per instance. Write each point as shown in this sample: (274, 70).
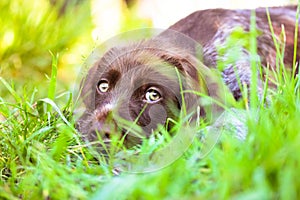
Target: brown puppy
(142, 83)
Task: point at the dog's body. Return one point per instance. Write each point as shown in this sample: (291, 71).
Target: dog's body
(138, 83)
(211, 28)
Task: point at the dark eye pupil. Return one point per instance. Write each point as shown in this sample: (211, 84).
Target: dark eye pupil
(154, 95)
(103, 86)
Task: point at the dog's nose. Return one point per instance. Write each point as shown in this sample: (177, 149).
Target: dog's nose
(105, 130)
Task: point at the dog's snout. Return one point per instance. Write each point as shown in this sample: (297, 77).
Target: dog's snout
(105, 123)
(105, 129)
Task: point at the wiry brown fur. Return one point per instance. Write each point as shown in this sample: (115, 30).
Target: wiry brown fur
(211, 28)
(130, 71)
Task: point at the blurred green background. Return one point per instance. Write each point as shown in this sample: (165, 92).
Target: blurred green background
(30, 30)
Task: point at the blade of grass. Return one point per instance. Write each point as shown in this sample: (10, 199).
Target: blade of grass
(253, 62)
(56, 108)
(11, 90)
(52, 85)
(296, 38)
(278, 55)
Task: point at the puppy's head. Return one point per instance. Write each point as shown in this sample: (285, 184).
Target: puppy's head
(133, 89)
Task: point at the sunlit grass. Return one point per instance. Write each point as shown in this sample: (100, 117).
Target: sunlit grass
(31, 29)
(42, 156)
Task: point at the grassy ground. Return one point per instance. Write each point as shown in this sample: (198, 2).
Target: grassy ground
(43, 157)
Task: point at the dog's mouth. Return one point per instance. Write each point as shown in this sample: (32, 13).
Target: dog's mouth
(128, 134)
(129, 148)
(116, 134)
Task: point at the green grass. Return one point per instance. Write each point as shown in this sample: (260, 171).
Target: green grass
(43, 157)
(30, 30)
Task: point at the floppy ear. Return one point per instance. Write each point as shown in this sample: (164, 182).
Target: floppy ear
(186, 64)
(191, 80)
(200, 82)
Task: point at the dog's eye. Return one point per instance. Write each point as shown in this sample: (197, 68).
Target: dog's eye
(152, 95)
(103, 86)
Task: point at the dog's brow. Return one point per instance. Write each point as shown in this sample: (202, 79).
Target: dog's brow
(112, 76)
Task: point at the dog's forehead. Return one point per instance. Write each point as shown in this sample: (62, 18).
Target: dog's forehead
(139, 63)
